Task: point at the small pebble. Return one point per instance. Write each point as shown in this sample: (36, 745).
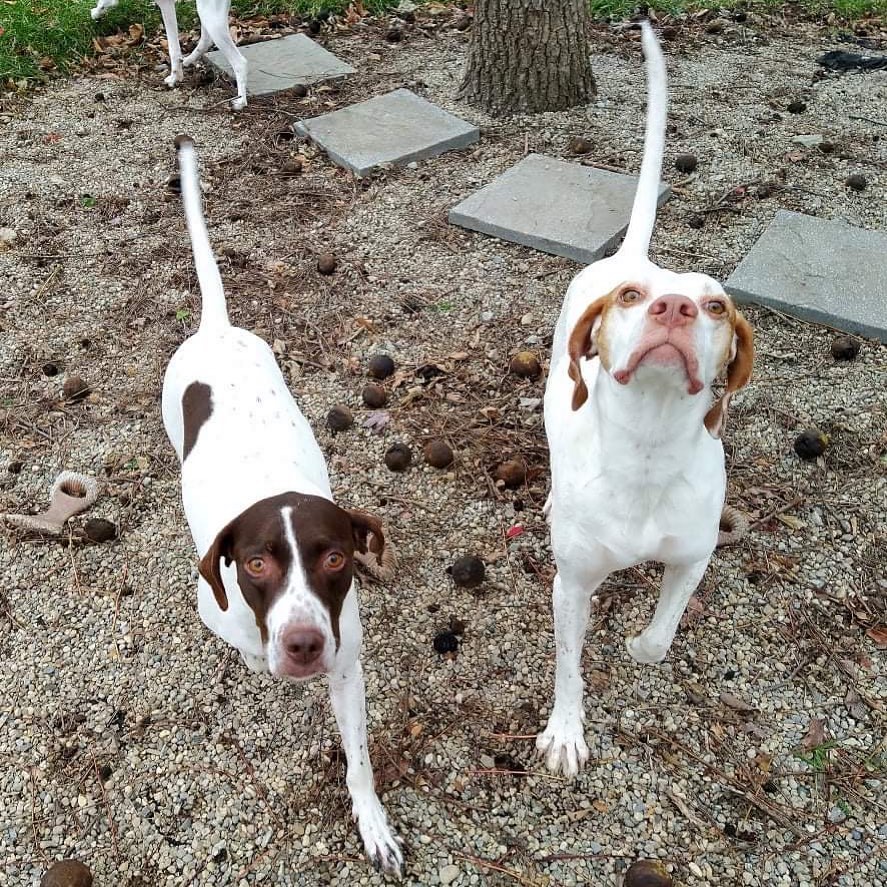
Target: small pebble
(398, 457)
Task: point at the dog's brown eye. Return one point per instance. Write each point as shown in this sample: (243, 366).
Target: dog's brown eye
(715, 307)
(629, 296)
(334, 561)
(255, 566)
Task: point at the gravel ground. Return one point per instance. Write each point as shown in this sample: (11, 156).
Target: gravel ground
(132, 739)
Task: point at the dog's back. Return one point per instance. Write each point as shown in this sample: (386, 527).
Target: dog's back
(226, 407)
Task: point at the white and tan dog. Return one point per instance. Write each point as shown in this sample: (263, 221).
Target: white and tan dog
(634, 430)
(213, 16)
(277, 555)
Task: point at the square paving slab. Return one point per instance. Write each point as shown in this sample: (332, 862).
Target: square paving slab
(827, 272)
(281, 64)
(558, 207)
(394, 128)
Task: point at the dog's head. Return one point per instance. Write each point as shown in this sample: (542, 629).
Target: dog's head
(294, 560)
(667, 329)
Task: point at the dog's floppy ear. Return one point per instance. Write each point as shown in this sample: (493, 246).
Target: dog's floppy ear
(209, 566)
(580, 345)
(363, 525)
(738, 374)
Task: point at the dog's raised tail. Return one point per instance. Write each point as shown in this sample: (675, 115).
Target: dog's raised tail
(214, 311)
(643, 211)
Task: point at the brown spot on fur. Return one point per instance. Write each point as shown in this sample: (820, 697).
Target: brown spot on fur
(318, 526)
(197, 407)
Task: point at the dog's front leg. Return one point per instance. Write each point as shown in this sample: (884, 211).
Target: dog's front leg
(563, 741)
(171, 24)
(349, 706)
(678, 584)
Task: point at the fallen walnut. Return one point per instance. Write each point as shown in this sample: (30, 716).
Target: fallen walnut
(374, 395)
(398, 457)
(438, 453)
(647, 873)
(339, 418)
(811, 443)
(468, 571)
(67, 873)
(512, 473)
(380, 366)
(526, 365)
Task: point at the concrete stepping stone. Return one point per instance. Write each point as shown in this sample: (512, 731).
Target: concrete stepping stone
(275, 65)
(395, 128)
(825, 271)
(554, 206)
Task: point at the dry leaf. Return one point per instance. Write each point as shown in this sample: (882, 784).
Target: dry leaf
(600, 806)
(815, 734)
(879, 635)
(736, 703)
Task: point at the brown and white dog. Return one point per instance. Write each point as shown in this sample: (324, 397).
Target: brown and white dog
(637, 465)
(276, 553)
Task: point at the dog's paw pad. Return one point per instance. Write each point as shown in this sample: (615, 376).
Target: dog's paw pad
(563, 748)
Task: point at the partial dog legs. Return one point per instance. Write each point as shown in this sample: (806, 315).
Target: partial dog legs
(348, 699)
(214, 18)
(102, 7)
(168, 12)
(203, 44)
(563, 742)
(678, 584)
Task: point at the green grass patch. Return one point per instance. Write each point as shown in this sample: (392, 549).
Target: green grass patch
(37, 36)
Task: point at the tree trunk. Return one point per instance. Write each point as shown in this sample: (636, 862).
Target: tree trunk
(528, 55)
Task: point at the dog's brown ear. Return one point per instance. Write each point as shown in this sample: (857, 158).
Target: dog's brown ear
(209, 566)
(738, 375)
(580, 345)
(364, 525)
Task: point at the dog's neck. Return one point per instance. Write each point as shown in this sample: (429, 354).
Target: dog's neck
(649, 413)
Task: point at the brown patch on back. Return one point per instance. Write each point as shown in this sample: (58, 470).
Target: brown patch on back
(197, 407)
(318, 526)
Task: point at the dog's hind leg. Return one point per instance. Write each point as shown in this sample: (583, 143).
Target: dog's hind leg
(562, 743)
(171, 24)
(678, 584)
(203, 44)
(214, 18)
(102, 7)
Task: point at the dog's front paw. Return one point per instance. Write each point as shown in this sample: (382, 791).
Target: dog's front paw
(174, 78)
(645, 651)
(254, 663)
(562, 744)
(96, 13)
(238, 104)
(381, 846)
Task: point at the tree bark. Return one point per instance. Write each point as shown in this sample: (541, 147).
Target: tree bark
(528, 55)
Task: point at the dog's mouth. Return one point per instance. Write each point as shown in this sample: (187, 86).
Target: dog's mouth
(668, 351)
(290, 671)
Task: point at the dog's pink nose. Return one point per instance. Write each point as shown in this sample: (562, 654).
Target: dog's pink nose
(303, 645)
(673, 311)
